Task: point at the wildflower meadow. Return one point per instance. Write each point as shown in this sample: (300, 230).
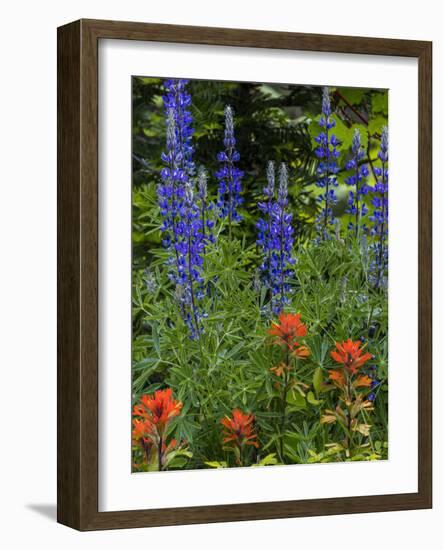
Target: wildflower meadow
(260, 274)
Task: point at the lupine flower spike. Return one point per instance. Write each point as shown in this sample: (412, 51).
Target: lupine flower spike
(264, 225)
(379, 265)
(182, 225)
(327, 152)
(229, 176)
(281, 242)
(178, 100)
(206, 207)
(171, 191)
(357, 181)
(190, 249)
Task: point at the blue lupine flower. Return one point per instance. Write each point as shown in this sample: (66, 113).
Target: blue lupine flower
(374, 384)
(150, 281)
(178, 100)
(206, 207)
(190, 248)
(327, 152)
(379, 249)
(229, 176)
(264, 224)
(280, 243)
(182, 226)
(357, 180)
(171, 190)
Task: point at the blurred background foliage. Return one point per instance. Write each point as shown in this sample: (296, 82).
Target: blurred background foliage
(272, 122)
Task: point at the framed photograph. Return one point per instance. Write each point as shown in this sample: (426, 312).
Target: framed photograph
(244, 275)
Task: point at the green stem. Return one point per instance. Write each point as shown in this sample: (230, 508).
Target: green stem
(160, 445)
(283, 407)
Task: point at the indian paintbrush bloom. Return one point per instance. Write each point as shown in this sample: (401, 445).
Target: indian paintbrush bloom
(286, 334)
(239, 429)
(288, 331)
(279, 246)
(379, 265)
(352, 357)
(352, 405)
(159, 409)
(229, 176)
(152, 416)
(357, 180)
(327, 152)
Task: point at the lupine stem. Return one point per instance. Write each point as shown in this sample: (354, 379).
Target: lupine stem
(382, 229)
(229, 175)
(191, 286)
(325, 225)
(327, 168)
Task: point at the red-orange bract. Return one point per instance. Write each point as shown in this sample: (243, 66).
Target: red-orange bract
(287, 330)
(158, 409)
(239, 429)
(142, 430)
(351, 356)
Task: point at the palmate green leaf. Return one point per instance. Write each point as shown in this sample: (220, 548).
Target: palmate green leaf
(312, 401)
(178, 459)
(296, 399)
(353, 95)
(380, 104)
(268, 460)
(216, 464)
(376, 124)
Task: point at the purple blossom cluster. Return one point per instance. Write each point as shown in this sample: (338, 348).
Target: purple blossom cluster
(264, 225)
(357, 181)
(229, 175)
(178, 101)
(190, 247)
(182, 226)
(327, 152)
(275, 238)
(206, 207)
(379, 264)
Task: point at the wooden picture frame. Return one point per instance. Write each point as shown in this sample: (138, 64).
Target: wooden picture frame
(78, 274)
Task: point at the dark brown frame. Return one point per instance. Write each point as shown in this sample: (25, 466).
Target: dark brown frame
(77, 480)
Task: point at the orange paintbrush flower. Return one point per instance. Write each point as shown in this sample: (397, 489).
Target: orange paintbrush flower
(239, 429)
(301, 352)
(281, 369)
(159, 409)
(338, 377)
(142, 429)
(350, 355)
(286, 332)
(363, 381)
